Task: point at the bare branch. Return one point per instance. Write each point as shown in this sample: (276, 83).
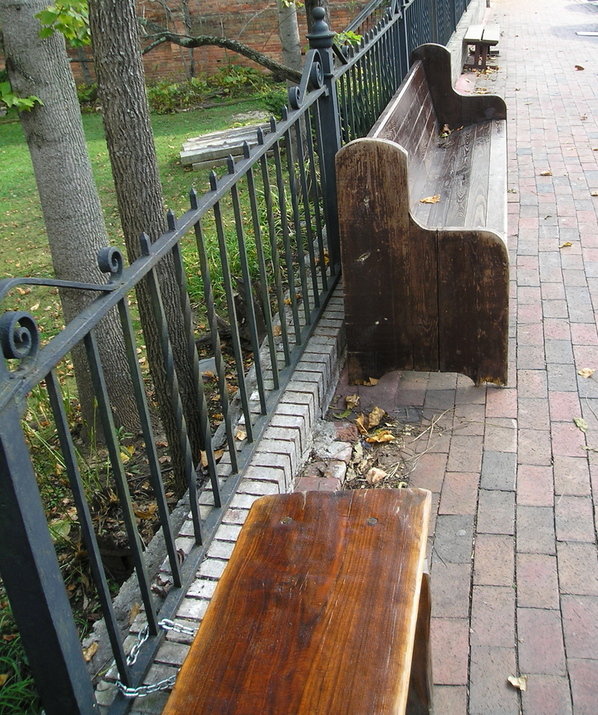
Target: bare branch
(159, 35)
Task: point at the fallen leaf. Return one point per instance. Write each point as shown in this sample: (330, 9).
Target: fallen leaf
(341, 415)
(518, 682)
(203, 458)
(240, 434)
(579, 67)
(375, 476)
(586, 372)
(134, 612)
(375, 416)
(381, 437)
(593, 193)
(146, 512)
(430, 199)
(3, 678)
(581, 424)
(360, 423)
(90, 651)
(370, 382)
(546, 173)
(351, 401)
(276, 331)
(218, 454)
(566, 244)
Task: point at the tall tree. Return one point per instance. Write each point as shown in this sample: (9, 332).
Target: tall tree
(288, 30)
(121, 88)
(69, 200)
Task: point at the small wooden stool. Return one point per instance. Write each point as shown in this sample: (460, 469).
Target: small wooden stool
(482, 37)
(324, 608)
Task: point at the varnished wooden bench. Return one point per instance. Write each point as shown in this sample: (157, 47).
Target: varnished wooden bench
(422, 213)
(482, 37)
(322, 609)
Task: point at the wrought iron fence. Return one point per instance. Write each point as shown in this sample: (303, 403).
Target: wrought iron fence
(256, 259)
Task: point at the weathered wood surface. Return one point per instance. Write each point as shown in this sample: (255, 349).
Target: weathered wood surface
(317, 610)
(426, 284)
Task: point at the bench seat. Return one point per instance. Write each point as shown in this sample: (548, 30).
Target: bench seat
(426, 284)
(323, 608)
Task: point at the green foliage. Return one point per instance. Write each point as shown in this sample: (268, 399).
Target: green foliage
(70, 18)
(275, 100)
(232, 81)
(17, 691)
(347, 38)
(10, 100)
(87, 94)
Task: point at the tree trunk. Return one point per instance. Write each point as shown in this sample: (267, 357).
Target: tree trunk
(288, 29)
(69, 200)
(121, 89)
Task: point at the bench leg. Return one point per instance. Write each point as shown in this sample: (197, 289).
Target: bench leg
(419, 700)
(484, 56)
(476, 56)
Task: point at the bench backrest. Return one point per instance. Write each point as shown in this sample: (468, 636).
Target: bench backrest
(409, 119)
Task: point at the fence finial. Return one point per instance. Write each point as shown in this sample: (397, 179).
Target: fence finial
(321, 35)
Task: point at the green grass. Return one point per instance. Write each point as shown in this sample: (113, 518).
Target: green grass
(23, 242)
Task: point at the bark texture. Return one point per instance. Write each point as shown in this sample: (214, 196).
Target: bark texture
(69, 200)
(288, 29)
(121, 88)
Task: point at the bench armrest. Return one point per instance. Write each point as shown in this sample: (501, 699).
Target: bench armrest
(451, 107)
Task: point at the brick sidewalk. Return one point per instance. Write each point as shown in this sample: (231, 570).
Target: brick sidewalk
(514, 557)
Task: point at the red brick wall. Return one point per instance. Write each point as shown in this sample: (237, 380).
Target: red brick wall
(253, 23)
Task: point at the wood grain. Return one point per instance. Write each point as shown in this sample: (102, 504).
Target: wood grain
(316, 611)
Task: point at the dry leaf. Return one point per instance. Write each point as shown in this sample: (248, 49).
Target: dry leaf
(218, 454)
(579, 67)
(146, 512)
(360, 423)
(381, 437)
(430, 199)
(586, 372)
(375, 476)
(546, 173)
(566, 244)
(581, 424)
(520, 683)
(375, 416)
(276, 331)
(89, 652)
(352, 401)
(240, 434)
(203, 458)
(370, 382)
(134, 612)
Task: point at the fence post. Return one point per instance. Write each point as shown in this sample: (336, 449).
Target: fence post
(321, 39)
(34, 583)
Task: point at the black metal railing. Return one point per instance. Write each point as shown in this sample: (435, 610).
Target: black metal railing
(256, 259)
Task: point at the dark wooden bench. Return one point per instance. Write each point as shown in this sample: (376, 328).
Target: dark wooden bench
(482, 38)
(323, 609)
(426, 283)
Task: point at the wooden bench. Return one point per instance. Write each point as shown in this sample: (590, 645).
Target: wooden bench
(323, 609)
(422, 213)
(482, 37)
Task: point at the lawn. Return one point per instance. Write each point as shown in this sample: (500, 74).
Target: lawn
(23, 242)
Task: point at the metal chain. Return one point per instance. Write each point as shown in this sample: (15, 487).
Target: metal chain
(142, 690)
